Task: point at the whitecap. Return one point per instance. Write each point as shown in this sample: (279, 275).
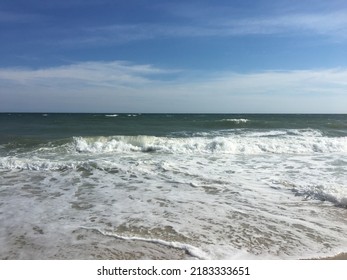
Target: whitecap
(231, 144)
(238, 121)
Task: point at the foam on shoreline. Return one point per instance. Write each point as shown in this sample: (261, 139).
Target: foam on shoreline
(91, 245)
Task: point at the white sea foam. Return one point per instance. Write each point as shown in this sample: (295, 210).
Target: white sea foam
(191, 250)
(336, 194)
(238, 121)
(274, 194)
(113, 115)
(13, 163)
(251, 144)
(102, 145)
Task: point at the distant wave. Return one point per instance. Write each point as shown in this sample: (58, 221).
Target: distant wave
(116, 115)
(237, 121)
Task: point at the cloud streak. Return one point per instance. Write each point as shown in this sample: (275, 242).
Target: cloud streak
(189, 21)
(330, 25)
(333, 24)
(103, 74)
(122, 86)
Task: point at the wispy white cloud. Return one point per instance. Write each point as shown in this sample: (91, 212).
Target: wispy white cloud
(333, 24)
(328, 25)
(116, 73)
(121, 86)
(271, 17)
(282, 83)
(102, 74)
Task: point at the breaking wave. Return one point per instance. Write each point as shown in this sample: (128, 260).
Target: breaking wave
(335, 195)
(259, 143)
(237, 121)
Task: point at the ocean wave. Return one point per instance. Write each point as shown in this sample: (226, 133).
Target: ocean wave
(309, 133)
(251, 144)
(113, 115)
(110, 144)
(237, 121)
(12, 163)
(335, 195)
(83, 152)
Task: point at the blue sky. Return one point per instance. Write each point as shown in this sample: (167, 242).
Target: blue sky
(236, 56)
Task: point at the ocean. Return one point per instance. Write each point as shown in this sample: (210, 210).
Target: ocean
(172, 186)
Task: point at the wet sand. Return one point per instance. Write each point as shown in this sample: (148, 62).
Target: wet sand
(341, 256)
(86, 244)
(89, 245)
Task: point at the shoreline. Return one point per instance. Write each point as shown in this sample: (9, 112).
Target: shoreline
(90, 245)
(85, 244)
(340, 256)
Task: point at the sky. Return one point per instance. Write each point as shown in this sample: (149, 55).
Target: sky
(161, 56)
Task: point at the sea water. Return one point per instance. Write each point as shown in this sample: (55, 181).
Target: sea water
(213, 186)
